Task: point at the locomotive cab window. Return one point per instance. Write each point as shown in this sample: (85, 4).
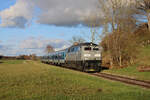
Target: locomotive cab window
(95, 49)
(87, 48)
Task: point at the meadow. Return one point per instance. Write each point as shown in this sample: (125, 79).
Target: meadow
(33, 80)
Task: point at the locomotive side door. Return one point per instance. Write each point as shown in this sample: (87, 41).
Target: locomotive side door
(77, 57)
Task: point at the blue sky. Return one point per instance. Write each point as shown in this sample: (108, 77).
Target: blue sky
(41, 24)
(28, 26)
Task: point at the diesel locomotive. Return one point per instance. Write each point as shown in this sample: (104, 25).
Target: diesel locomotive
(82, 56)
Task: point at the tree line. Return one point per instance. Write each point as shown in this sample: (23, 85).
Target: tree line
(124, 30)
(20, 57)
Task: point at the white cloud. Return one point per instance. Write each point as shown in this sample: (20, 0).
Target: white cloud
(53, 12)
(18, 15)
(40, 43)
(68, 12)
(37, 45)
(4, 49)
(32, 45)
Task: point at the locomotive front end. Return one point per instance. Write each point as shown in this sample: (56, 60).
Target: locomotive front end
(92, 57)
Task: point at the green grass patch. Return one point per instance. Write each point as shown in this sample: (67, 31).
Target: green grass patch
(144, 56)
(32, 80)
(11, 61)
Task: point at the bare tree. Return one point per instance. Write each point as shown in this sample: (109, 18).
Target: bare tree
(77, 39)
(144, 7)
(33, 56)
(118, 24)
(49, 49)
(93, 35)
(119, 47)
(116, 10)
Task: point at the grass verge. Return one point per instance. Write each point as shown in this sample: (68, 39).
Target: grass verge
(30, 80)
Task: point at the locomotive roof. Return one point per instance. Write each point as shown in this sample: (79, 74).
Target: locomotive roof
(86, 44)
(79, 44)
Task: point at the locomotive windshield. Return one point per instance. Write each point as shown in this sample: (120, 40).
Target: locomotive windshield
(87, 48)
(91, 49)
(95, 49)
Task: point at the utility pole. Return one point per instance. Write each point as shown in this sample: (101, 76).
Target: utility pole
(93, 31)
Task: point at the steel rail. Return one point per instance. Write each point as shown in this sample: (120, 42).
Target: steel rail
(123, 79)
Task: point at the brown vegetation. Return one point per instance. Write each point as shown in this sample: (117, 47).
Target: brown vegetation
(20, 57)
(49, 49)
(122, 35)
(143, 68)
(143, 34)
(76, 39)
(120, 48)
(144, 9)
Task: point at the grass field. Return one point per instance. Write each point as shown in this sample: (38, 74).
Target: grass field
(132, 70)
(32, 80)
(144, 56)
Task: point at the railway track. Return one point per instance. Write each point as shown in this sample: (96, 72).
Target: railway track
(145, 84)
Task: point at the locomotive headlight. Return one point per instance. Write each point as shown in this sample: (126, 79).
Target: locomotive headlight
(87, 55)
(97, 55)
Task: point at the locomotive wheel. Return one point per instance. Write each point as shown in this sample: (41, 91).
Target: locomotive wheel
(99, 70)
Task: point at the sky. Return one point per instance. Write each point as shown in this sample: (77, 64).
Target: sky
(27, 26)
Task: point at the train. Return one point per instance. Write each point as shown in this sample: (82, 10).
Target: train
(85, 57)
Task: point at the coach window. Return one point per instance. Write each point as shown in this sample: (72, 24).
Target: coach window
(75, 49)
(58, 56)
(78, 48)
(69, 50)
(72, 49)
(62, 55)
